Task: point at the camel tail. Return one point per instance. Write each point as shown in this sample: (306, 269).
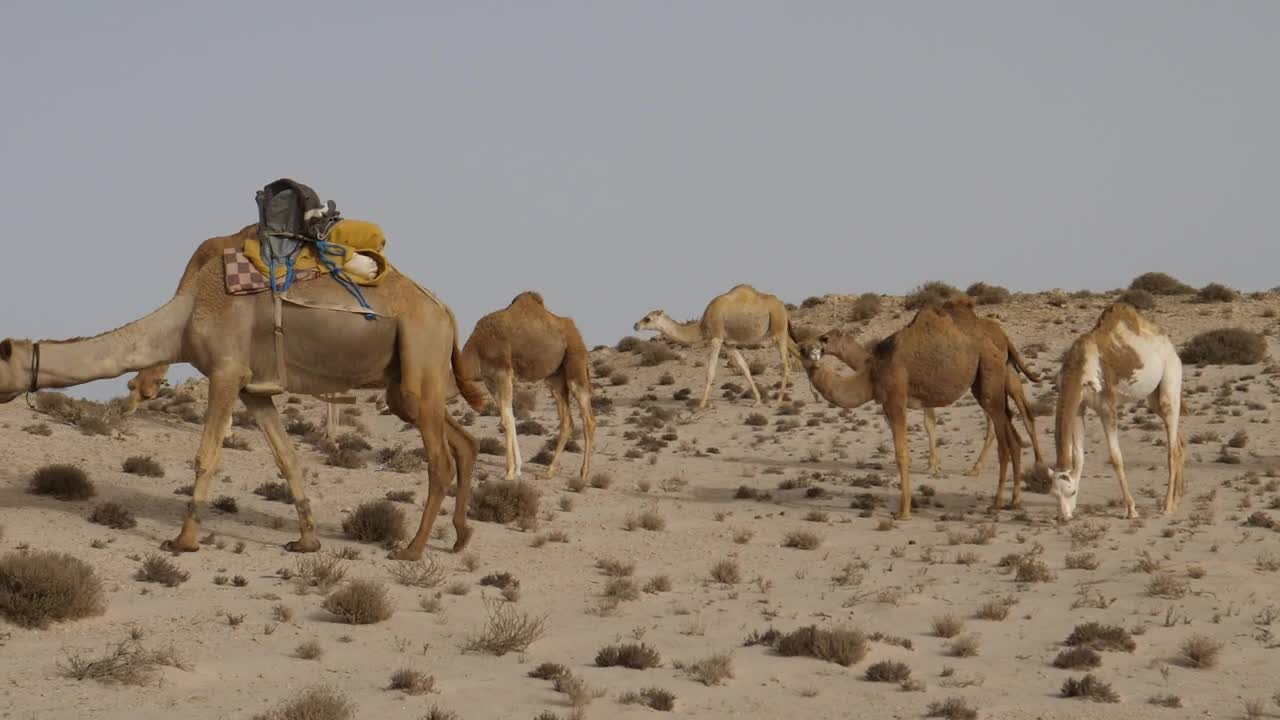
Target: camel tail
(1018, 362)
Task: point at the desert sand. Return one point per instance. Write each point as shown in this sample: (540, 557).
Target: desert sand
(1213, 574)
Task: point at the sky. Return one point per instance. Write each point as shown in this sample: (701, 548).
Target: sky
(620, 157)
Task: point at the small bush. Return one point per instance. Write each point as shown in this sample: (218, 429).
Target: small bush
(502, 581)
(1225, 346)
(361, 602)
(984, 294)
(412, 682)
(964, 646)
(616, 568)
(1216, 293)
(803, 540)
(888, 671)
(1140, 299)
(315, 703)
(1038, 479)
(953, 708)
(713, 670)
(633, 656)
(727, 571)
(1077, 658)
(1082, 561)
(376, 521)
(504, 501)
(1097, 636)
(865, 307)
(1158, 283)
(127, 662)
(309, 650)
(492, 446)
(113, 515)
(143, 465)
(275, 492)
(64, 482)
(157, 568)
(994, 610)
(400, 459)
(41, 429)
(652, 698)
(506, 630)
(321, 571)
(548, 671)
(1089, 688)
(947, 626)
(1200, 651)
(841, 646)
(654, 353)
(933, 291)
(425, 573)
(226, 504)
(38, 588)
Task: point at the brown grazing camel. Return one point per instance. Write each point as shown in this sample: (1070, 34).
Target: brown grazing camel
(929, 363)
(845, 346)
(1124, 357)
(741, 317)
(525, 341)
(410, 348)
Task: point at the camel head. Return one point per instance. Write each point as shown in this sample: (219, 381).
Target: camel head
(811, 352)
(1066, 488)
(651, 321)
(15, 368)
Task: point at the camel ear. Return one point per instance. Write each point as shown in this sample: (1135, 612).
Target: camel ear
(6, 349)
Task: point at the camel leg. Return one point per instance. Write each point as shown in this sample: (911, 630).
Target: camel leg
(560, 392)
(1166, 402)
(433, 426)
(506, 396)
(711, 370)
(330, 420)
(931, 429)
(582, 393)
(896, 414)
(268, 419)
(786, 369)
(1111, 430)
(465, 450)
(986, 449)
(223, 388)
(1013, 387)
(746, 370)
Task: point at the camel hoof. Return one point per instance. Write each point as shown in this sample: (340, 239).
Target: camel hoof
(302, 546)
(1132, 514)
(178, 546)
(549, 474)
(405, 554)
(464, 537)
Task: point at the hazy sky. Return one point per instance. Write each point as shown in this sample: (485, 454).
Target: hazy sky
(624, 156)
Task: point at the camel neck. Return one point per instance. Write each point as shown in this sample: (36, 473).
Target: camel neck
(1070, 396)
(688, 333)
(842, 387)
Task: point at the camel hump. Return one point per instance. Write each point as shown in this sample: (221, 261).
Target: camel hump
(529, 296)
(1120, 313)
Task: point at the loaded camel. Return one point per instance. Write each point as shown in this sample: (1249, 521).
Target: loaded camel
(410, 348)
(525, 341)
(1124, 357)
(743, 316)
(845, 346)
(930, 363)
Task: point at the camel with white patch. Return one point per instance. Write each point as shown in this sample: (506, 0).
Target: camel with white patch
(525, 341)
(741, 317)
(410, 348)
(845, 346)
(1124, 357)
(929, 363)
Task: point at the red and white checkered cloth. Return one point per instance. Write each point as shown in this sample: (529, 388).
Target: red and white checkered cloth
(243, 278)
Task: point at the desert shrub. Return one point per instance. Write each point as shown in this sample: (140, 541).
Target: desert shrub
(41, 429)
(654, 353)
(274, 491)
(712, 670)
(1216, 293)
(492, 446)
(126, 662)
(653, 698)
(964, 646)
(811, 302)
(64, 482)
(632, 655)
(157, 568)
(400, 459)
(629, 343)
(933, 291)
(616, 568)
(309, 650)
(143, 465)
(727, 571)
(1225, 346)
(1089, 688)
(91, 418)
(1200, 651)
(506, 630)
(40, 587)
(1097, 636)
(803, 540)
(376, 521)
(947, 626)
(235, 442)
(1077, 658)
(361, 602)
(226, 504)
(1140, 299)
(841, 646)
(113, 515)
(406, 497)
(321, 571)
(504, 501)
(412, 682)
(502, 581)
(984, 294)
(888, 671)
(424, 573)
(865, 307)
(548, 671)
(320, 702)
(1158, 283)
(953, 708)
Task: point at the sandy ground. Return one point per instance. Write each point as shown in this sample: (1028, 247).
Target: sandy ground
(909, 575)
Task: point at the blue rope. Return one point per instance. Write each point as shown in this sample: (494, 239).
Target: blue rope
(325, 252)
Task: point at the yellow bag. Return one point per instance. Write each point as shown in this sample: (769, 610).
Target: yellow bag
(351, 236)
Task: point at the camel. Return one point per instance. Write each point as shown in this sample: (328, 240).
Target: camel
(526, 342)
(930, 362)
(845, 346)
(410, 348)
(743, 316)
(1124, 357)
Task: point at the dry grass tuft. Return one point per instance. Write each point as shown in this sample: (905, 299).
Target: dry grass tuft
(275, 492)
(865, 307)
(506, 630)
(321, 571)
(616, 568)
(1140, 299)
(321, 702)
(888, 671)
(712, 670)
(1038, 479)
(504, 501)
(727, 571)
(1097, 636)
(953, 708)
(143, 465)
(933, 291)
(1089, 688)
(361, 602)
(947, 626)
(1200, 651)
(309, 650)
(965, 646)
(64, 482)
(802, 539)
(1225, 346)
(424, 573)
(113, 515)
(995, 609)
(842, 646)
(377, 521)
(633, 656)
(1077, 658)
(126, 662)
(157, 568)
(412, 682)
(984, 294)
(39, 588)
(652, 698)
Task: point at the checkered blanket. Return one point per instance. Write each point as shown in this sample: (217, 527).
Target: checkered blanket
(244, 279)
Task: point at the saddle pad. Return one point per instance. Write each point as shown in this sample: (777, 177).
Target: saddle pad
(244, 279)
